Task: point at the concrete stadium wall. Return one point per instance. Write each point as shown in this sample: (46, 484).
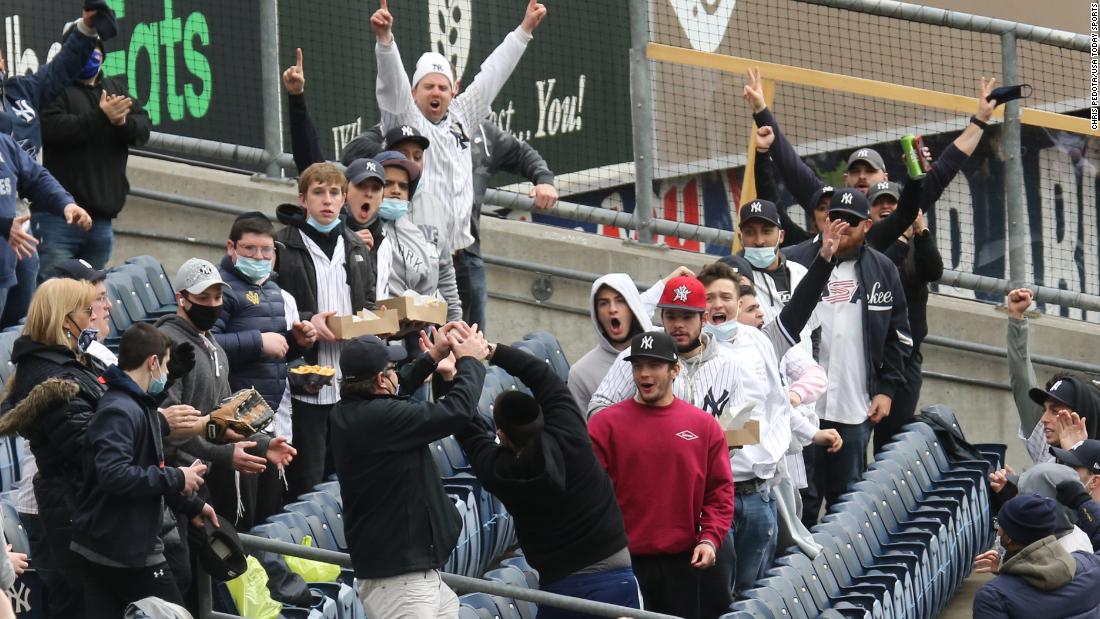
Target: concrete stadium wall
(175, 233)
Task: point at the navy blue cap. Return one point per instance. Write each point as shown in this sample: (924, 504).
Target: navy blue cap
(75, 268)
(851, 201)
(364, 357)
(1085, 456)
(364, 169)
(404, 133)
(1063, 391)
(764, 210)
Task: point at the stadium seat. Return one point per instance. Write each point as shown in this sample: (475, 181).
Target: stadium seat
(465, 611)
(513, 576)
(768, 589)
(123, 286)
(863, 565)
(332, 488)
(757, 609)
(520, 562)
(274, 530)
(120, 317)
(348, 605)
(157, 277)
(442, 462)
(315, 517)
(334, 515)
(139, 278)
(554, 350)
(13, 529)
(9, 465)
(482, 603)
(457, 458)
(468, 549)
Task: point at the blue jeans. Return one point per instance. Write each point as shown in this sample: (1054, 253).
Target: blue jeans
(59, 241)
(618, 587)
(754, 536)
(17, 299)
(470, 273)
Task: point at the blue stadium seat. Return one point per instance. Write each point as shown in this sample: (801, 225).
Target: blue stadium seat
(13, 529)
(348, 605)
(793, 604)
(468, 550)
(139, 279)
(7, 340)
(332, 488)
(157, 277)
(554, 351)
(465, 611)
(334, 515)
(484, 604)
(513, 576)
(865, 568)
(520, 562)
(315, 517)
(123, 286)
(757, 609)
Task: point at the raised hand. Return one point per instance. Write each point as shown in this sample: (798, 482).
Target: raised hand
(830, 237)
(680, 271)
(1071, 428)
(764, 138)
(989, 562)
(382, 24)
(998, 480)
(985, 107)
(22, 242)
(1018, 302)
(753, 92)
(294, 78)
(468, 342)
(533, 17)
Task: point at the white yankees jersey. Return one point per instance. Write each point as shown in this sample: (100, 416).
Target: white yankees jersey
(333, 294)
(445, 195)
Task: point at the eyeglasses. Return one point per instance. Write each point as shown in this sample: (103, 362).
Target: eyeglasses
(252, 250)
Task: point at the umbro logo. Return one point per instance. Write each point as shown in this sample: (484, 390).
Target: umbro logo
(646, 343)
(846, 198)
(687, 435)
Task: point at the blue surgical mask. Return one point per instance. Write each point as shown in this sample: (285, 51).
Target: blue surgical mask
(761, 257)
(320, 227)
(156, 385)
(393, 209)
(91, 68)
(253, 268)
(723, 332)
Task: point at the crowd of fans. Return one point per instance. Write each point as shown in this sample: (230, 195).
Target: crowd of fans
(620, 480)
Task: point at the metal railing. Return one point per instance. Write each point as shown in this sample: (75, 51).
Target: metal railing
(461, 584)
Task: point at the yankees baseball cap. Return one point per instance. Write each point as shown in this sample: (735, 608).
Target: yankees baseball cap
(393, 158)
(75, 268)
(365, 356)
(685, 292)
(363, 169)
(433, 62)
(653, 345)
(763, 210)
(850, 201)
(196, 275)
(869, 156)
(738, 264)
(1084, 456)
(885, 188)
(1063, 391)
(404, 133)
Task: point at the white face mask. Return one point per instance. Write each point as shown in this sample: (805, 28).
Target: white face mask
(761, 257)
(723, 332)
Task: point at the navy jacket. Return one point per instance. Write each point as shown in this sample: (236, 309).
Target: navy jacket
(248, 310)
(22, 176)
(886, 338)
(1009, 596)
(125, 478)
(24, 96)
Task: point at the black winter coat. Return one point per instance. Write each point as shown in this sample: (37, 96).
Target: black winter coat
(397, 517)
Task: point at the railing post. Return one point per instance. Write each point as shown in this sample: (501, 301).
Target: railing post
(642, 120)
(272, 90)
(1019, 233)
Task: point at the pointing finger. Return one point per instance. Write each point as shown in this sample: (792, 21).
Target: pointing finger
(385, 5)
(298, 53)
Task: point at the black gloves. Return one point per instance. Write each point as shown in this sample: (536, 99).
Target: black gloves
(1072, 494)
(181, 362)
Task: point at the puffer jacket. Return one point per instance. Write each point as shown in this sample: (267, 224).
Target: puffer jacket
(53, 395)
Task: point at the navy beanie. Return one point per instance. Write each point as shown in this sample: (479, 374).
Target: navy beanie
(1027, 519)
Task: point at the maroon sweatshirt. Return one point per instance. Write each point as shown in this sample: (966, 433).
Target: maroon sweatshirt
(671, 470)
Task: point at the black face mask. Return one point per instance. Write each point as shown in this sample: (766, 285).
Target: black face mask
(1004, 94)
(203, 316)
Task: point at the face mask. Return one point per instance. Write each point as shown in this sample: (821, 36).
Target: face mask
(322, 228)
(203, 316)
(253, 268)
(761, 257)
(1004, 94)
(156, 385)
(393, 209)
(85, 339)
(723, 332)
(91, 68)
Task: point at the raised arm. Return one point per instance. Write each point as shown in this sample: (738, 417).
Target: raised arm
(558, 406)
(304, 142)
(1021, 373)
(887, 230)
(475, 103)
(800, 180)
(392, 84)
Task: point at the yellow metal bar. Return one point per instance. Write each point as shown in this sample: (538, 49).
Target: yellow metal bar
(857, 86)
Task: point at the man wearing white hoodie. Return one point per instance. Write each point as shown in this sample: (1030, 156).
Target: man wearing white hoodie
(619, 313)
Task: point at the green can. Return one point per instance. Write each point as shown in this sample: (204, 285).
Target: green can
(911, 157)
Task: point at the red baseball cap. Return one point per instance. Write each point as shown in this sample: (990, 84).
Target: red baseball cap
(684, 293)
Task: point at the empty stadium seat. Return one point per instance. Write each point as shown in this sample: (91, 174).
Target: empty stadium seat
(315, 517)
(7, 340)
(157, 277)
(334, 515)
(348, 605)
(483, 604)
(555, 354)
(513, 576)
(520, 562)
(13, 529)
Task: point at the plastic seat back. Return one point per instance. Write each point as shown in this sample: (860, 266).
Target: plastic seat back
(334, 515)
(157, 277)
(318, 523)
(513, 576)
(554, 351)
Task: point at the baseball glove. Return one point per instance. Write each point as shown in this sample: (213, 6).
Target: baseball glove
(245, 412)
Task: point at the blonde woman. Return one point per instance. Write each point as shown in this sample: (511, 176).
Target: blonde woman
(50, 399)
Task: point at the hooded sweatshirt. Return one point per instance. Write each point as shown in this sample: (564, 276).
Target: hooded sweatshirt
(407, 261)
(589, 370)
(1043, 578)
(1043, 479)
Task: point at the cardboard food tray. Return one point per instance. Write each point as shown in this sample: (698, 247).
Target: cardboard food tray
(418, 309)
(748, 434)
(379, 322)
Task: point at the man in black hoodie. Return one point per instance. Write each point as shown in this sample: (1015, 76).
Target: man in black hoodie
(126, 484)
(546, 474)
(401, 526)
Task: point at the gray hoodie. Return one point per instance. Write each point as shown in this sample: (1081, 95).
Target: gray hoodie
(415, 264)
(589, 370)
